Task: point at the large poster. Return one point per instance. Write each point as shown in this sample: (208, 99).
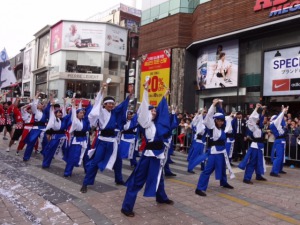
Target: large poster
(56, 38)
(27, 65)
(89, 37)
(217, 65)
(282, 72)
(156, 65)
(44, 49)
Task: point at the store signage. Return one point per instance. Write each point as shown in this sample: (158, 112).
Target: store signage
(279, 7)
(282, 72)
(76, 76)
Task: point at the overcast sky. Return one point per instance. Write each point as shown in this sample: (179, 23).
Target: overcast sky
(21, 19)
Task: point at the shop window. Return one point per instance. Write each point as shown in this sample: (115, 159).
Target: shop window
(71, 66)
(83, 89)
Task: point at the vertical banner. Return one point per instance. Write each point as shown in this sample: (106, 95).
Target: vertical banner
(156, 65)
(7, 76)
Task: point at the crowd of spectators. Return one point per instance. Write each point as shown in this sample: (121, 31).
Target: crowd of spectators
(183, 135)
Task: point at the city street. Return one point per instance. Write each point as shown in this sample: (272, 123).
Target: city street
(32, 195)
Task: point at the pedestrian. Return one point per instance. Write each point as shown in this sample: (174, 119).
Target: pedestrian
(254, 159)
(108, 118)
(56, 134)
(41, 115)
(79, 142)
(218, 158)
(279, 129)
(156, 125)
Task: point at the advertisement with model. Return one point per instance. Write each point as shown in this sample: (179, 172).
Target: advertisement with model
(83, 36)
(217, 65)
(282, 72)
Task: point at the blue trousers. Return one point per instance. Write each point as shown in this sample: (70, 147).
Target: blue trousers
(195, 157)
(145, 168)
(133, 161)
(279, 147)
(214, 162)
(72, 159)
(253, 165)
(118, 168)
(30, 140)
(49, 152)
(99, 161)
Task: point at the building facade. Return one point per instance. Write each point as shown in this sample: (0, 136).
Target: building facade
(247, 33)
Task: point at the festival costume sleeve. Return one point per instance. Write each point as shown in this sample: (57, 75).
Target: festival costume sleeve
(74, 120)
(95, 111)
(121, 114)
(279, 122)
(145, 116)
(161, 122)
(174, 121)
(46, 111)
(252, 126)
(88, 109)
(209, 121)
(34, 106)
(51, 119)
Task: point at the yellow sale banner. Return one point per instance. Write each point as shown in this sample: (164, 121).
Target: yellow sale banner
(156, 66)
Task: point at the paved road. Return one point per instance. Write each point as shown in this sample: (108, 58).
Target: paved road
(32, 195)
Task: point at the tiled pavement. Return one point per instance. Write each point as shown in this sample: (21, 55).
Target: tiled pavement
(32, 195)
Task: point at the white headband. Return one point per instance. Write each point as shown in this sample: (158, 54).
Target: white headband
(108, 100)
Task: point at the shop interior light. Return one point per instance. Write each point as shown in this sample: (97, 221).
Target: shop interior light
(278, 54)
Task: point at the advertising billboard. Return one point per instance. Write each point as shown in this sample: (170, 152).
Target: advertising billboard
(82, 36)
(217, 65)
(282, 72)
(27, 64)
(56, 38)
(156, 65)
(43, 55)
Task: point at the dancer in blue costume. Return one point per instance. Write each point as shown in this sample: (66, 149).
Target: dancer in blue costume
(168, 142)
(56, 133)
(41, 116)
(126, 146)
(80, 137)
(128, 137)
(199, 142)
(229, 120)
(217, 158)
(254, 159)
(278, 128)
(107, 118)
(156, 124)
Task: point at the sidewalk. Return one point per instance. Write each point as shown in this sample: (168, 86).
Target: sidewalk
(32, 195)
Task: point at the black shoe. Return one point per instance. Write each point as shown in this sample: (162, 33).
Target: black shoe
(274, 174)
(201, 193)
(168, 202)
(120, 183)
(283, 172)
(65, 175)
(228, 186)
(247, 181)
(83, 189)
(25, 160)
(170, 175)
(191, 171)
(232, 165)
(129, 214)
(261, 178)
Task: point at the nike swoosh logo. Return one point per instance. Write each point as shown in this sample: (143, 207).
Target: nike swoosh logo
(278, 86)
